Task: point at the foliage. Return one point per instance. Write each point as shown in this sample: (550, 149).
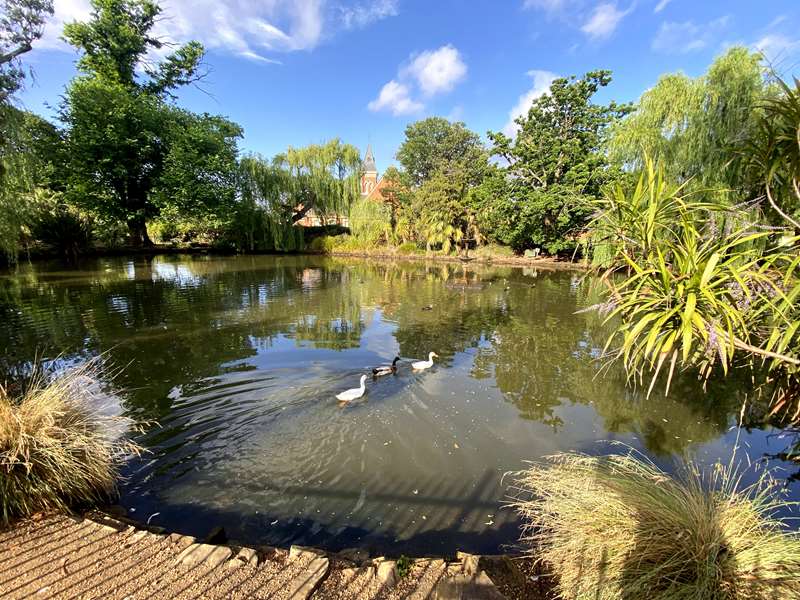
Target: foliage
(407, 248)
(404, 565)
(555, 166)
(617, 526)
(770, 157)
(21, 24)
(131, 153)
(16, 181)
(690, 125)
(436, 143)
(323, 244)
(56, 448)
(371, 221)
(63, 227)
(442, 162)
(275, 195)
(494, 251)
(696, 296)
(442, 211)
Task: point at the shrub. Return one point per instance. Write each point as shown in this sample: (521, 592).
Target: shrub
(407, 248)
(617, 527)
(324, 244)
(56, 449)
(61, 226)
(494, 250)
(371, 222)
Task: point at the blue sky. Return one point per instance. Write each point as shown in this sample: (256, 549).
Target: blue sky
(293, 72)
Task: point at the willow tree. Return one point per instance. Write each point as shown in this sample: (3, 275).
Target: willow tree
(689, 125)
(21, 24)
(276, 195)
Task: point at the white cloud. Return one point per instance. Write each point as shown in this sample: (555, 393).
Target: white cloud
(541, 85)
(428, 73)
(662, 4)
(437, 71)
(64, 11)
(548, 5)
(604, 21)
(242, 27)
(776, 46)
(361, 15)
(395, 97)
(681, 38)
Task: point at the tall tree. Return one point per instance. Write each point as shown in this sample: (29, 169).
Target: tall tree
(127, 143)
(442, 162)
(556, 164)
(21, 24)
(434, 144)
(690, 125)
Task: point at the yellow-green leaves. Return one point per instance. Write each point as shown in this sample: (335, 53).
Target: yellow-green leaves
(691, 297)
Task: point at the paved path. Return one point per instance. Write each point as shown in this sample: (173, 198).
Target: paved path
(64, 557)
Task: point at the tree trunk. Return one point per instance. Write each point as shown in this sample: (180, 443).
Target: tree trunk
(302, 212)
(137, 228)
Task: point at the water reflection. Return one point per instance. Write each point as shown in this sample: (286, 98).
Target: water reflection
(238, 360)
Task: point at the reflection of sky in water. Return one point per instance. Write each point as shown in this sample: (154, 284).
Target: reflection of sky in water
(239, 360)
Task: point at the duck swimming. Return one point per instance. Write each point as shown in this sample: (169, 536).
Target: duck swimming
(386, 369)
(421, 365)
(353, 394)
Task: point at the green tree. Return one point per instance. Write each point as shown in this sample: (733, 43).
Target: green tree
(275, 195)
(442, 162)
(131, 152)
(21, 24)
(556, 165)
(436, 143)
(444, 215)
(690, 125)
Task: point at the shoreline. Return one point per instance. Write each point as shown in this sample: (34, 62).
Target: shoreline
(104, 554)
(546, 262)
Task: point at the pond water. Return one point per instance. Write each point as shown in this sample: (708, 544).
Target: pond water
(234, 363)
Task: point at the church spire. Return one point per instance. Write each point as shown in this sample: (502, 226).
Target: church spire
(369, 161)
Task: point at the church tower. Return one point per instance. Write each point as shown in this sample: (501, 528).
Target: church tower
(369, 176)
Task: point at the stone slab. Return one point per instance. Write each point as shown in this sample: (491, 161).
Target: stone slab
(304, 552)
(387, 573)
(205, 554)
(182, 541)
(464, 587)
(306, 583)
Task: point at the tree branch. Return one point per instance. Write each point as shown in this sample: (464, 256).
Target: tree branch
(779, 211)
(21, 49)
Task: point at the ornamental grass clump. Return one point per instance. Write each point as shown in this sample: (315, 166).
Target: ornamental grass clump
(617, 527)
(57, 448)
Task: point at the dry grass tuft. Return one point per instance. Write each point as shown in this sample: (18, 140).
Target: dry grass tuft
(57, 449)
(617, 527)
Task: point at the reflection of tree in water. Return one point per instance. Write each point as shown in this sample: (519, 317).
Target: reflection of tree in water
(545, 356)
(174, 321)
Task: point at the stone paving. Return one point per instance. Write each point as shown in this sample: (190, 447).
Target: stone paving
(65, 557)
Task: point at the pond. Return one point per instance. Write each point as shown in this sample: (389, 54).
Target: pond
(233, 363)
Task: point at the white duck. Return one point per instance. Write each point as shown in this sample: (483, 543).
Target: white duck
(421, 365)
(354, 393)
